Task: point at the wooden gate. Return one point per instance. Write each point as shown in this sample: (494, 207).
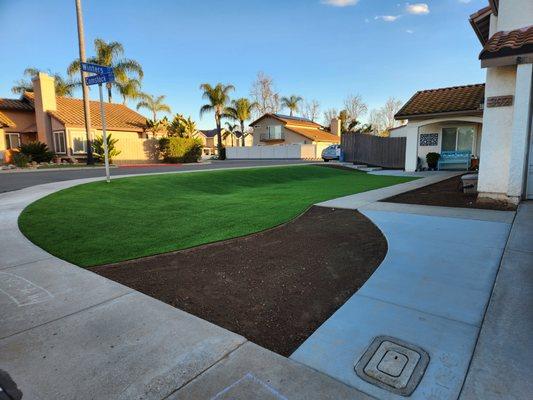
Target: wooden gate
(374, 150)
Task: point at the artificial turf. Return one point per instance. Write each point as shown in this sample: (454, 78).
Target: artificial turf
(100, 223)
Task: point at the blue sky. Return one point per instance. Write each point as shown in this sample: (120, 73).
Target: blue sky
(318, 49)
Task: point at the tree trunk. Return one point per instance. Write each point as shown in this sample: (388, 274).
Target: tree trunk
(242, 134)
(219, 136)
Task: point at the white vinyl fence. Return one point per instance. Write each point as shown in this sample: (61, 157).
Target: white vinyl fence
(283, 151)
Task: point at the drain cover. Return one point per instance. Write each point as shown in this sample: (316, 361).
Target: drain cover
(393, 365)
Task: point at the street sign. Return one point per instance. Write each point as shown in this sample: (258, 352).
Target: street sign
(95, 68)
(99, 79)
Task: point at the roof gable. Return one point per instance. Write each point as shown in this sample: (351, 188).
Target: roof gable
(451, 100)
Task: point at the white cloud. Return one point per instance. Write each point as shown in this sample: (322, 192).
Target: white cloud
(417, 8)
(387, 18)
(409, 31)
(465, 1)
(340, 3)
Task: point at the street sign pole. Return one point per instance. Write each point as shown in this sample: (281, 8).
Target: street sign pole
(104, 135)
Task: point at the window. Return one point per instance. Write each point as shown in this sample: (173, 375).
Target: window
(429, 139)
(60, 146)
(79, 142)
(274, 132)
(461, 139)
(12, 140)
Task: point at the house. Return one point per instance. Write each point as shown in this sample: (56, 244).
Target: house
(276, 129)
(497, 116)
(444, 119)
(210, 140)
(59, 122)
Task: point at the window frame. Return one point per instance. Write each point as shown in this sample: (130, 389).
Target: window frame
(55, 142)
(8, 140)
(456, 128)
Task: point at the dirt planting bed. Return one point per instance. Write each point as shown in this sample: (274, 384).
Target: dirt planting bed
(448, 193)
(275, 287)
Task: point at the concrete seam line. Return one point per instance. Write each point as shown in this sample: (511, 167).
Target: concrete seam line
(215, 363)
(29, 262)
(417, 310)
(70, 314)
(488, 303)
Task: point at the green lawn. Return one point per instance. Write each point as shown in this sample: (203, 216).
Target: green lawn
(101, 223)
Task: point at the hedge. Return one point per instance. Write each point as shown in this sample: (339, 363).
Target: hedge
(180, 150)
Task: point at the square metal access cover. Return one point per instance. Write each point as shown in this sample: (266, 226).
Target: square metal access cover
(393, 364)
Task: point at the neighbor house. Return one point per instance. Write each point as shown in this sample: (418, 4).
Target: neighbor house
(210, 140)
(59, 122)
(493, 120)
(276, 129)
(445, 119)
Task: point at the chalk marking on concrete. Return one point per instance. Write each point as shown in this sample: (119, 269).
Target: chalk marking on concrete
(22, 291)
(249, 376)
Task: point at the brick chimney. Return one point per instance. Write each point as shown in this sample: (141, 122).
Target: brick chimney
(45, 100)
(335, 126)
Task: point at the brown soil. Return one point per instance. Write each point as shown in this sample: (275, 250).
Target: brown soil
(448, 193)
(275, 287)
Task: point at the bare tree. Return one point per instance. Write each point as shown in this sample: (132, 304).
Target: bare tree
(264, 94)
(311, 110)
(382, 119)
(391, 107)
(355, 107)
(329, 115)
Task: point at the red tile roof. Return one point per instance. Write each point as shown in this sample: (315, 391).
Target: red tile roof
(118, 116)
(5, 122)
(304, 127)
(16, 104)
(509, 43)
(456, 99)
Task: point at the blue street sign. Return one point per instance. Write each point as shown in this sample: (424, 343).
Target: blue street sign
(99, 79)
(95, 68)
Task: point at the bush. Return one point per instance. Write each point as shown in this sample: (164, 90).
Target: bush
(37, 151)
(21, 160)
(98, 148)
(432, 160)
(180, 150)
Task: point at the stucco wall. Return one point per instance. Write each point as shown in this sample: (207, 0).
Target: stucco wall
(283, 151)
(22, 120)
(497, 129)
(514, 14)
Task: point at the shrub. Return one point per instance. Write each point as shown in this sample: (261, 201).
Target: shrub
(37, 151)
(180, 150)
(21, 160)
(432, 160)
(98, 148)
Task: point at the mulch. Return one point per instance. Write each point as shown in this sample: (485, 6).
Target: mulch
(448, 193)
(275, 287)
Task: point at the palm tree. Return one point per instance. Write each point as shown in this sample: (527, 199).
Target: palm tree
(218, 97)
(131, 89)
(63, 87)
(108, 54)
(231, 130)
(153, 104)
(292, 103)
(241, 110)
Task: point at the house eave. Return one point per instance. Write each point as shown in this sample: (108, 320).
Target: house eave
(469, 113)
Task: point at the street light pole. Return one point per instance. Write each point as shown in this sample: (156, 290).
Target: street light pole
(86, 109)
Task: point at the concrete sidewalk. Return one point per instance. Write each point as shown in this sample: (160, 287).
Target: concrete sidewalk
(430, 291)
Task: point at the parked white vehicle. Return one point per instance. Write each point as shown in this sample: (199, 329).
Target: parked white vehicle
(332, 152)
